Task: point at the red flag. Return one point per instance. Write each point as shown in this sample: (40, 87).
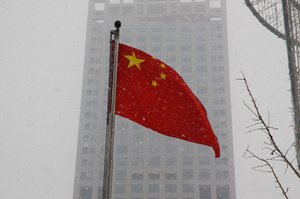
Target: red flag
(152, 94)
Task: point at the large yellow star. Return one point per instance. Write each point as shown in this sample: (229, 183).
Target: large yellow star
(133, 61)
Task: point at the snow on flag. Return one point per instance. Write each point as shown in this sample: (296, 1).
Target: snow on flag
(152, 94)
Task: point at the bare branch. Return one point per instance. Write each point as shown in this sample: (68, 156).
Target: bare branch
(292, 145)
(248, 107)
(271, 170)
(267, 129)
(252, 125)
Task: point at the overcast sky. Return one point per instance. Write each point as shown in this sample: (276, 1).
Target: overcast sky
(41, 67)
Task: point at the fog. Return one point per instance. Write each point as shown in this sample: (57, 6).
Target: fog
(41, 65)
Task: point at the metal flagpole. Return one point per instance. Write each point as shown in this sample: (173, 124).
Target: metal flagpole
(111, 106)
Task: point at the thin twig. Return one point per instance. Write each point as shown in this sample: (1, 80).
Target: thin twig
(271, 170)
(266, 129)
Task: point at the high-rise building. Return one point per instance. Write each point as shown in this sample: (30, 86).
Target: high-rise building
(191, 37)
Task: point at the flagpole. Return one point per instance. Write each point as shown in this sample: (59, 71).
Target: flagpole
(111, 106)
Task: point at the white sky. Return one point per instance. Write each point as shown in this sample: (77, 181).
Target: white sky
(41, 66)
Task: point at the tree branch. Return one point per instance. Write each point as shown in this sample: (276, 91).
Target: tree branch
(271, 170)
(267, 128)
(276, 154)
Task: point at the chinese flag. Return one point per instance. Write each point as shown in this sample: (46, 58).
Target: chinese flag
(152, 94)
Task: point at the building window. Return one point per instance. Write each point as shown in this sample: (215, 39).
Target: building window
(171, 176)
(137, 161)
(204, 174)
(202, 90)
(154, 161)
(153, 188)
(84, 162)
(225, 161)
(90, 175)
(85, 150)
(137, 176)
(223, 192)
(86, 138)
(171, 188)
(92, 150)
(201, 68)
(137, 188)
(83, 175)
(92, 162)
(87, 126)
(171, 161)
(85, 192)
(120, 188)
(187, 188)
(138, 148)
(137, 136)
(187, 160)
(154, 176)
(222, 112)
(120, 175)
(122, 136)
(225, 148)
(205, 192)
(218, 174)
(92, 61)
(122, 161)
(225, 174)
(187, 174)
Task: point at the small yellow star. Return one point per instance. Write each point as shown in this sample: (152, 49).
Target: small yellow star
(154, 83)
(163, 76)
(162, 66)
(133, 61)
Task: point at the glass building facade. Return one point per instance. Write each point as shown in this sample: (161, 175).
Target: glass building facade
(191, 37)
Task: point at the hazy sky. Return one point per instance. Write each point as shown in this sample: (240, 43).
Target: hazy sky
(41, 67)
